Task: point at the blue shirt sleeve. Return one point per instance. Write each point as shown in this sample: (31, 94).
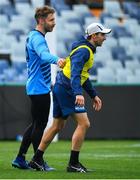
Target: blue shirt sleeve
(89, 89)
(78, 59)
(40, 46)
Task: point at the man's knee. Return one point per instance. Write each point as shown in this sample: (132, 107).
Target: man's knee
(87, 124)
(82, 120)
(58, 127)
(84, 125)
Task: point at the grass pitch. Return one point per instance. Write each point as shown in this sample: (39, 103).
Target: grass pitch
(107, 159)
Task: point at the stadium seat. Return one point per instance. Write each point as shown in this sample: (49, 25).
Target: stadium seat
(19, 26)
(105, 75)
(120, 31)
(20, 79)
(20, 6)
(4, 23)
(21, 1)
(114, 65)
(23, 38)
(111, 22)
(54, 2)
(74, 28)
(126, 42)
(133, 79)
(2, 79)
(137, 37)
(4, 2)
(86, 15)
(19, 66)
(132, 9)
(4, 31)
(119, 52)
(68, 14)
(132, 26)
(121, 75)
(70, 17)
(93, 70)
(113, 7)
(130, 22)
(61, 49)
(25, 9)
(133, 64)
(103, 54)
(133, 51)
(104, 15)
(5, 45)
(64, 35)
(18, 52)
(37, 3)
(59, 7)
(127, 6)
(3, 65)
(10, 11)
(137, 72)
(9, 75)
(80, 9)
(89, 20)
(110, 43)
(17, 33)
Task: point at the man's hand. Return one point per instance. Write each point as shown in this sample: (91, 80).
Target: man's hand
(80, 101)
(97, 103)
(61, 62)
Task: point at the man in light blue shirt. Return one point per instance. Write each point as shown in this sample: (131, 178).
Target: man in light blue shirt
(38, 87)
(39, 62)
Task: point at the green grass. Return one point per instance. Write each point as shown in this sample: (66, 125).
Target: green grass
(108, 159)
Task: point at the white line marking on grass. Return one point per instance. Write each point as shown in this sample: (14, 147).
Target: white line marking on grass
(116, 156)
(135, 145)
(96, 155)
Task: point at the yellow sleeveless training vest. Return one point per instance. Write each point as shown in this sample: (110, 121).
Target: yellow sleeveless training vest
(88, 65)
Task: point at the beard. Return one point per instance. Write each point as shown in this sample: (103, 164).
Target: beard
(48, 28)
(99, 44)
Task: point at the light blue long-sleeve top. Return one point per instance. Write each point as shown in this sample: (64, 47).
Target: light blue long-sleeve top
(39, 60)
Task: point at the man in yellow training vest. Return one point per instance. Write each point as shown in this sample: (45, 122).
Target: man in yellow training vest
(68, 96)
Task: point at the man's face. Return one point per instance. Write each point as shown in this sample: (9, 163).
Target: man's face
(99, 39)
(48, 23)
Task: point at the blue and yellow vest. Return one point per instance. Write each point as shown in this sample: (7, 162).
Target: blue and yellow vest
(87, 66)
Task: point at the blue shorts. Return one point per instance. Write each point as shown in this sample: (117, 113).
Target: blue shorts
(64, 102)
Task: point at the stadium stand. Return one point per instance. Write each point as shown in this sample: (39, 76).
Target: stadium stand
(106, 75)
(120, 52)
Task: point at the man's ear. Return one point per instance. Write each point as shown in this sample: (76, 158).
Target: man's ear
(93, 35)
(41, 21)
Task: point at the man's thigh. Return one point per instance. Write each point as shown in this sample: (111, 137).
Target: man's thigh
(81, 118)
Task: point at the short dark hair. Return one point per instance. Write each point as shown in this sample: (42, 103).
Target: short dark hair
(43, 12)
